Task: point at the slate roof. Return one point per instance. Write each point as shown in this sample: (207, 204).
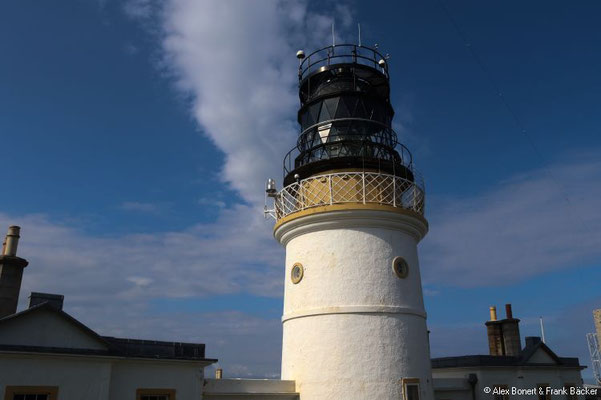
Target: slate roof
(532, 346)
(116, 347)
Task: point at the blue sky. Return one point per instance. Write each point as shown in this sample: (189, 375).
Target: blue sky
(137, 135)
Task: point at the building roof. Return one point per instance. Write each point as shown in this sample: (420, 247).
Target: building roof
(108, 346)
(525, 359)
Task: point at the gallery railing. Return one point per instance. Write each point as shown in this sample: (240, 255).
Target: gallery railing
(349, 187)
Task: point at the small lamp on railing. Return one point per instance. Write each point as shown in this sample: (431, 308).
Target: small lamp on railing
(270, 188)
(300, 55)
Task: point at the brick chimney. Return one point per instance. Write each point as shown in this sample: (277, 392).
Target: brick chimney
(11, 272)
(503, 335)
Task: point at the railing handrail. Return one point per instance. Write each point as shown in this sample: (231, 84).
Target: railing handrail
(306, 65)
(376, 188)
(406, 157)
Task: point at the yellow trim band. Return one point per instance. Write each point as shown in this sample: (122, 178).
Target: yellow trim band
(348, 206)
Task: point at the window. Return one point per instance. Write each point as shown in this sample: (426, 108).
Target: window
(31, 392)
(155, 394)
(400, 267)
(501, 392)
(410, 389)
(541, 388)
(297, 272)
(30, 397)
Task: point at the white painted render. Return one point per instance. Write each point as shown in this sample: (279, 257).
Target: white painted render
(100, 378)
(352, 328)
(76, 377)
(185, 377)
(519, 377)
(451, 388)
(239, 389)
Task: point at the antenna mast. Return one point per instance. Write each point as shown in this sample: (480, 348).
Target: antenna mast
(333, 36)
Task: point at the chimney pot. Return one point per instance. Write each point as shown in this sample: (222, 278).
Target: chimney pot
(508, 311)
(493, 313)
(12, 241)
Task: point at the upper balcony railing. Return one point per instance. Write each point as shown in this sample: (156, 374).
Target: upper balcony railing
(342, 54)
(382, 145)
(349, 188)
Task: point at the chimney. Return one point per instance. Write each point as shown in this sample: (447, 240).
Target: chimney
(532, 340)
(11, 273)
(495, 334)
(503, 335)
(511, 333)
(55, 300)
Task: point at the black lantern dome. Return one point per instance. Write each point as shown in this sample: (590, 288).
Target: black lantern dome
(345, 115)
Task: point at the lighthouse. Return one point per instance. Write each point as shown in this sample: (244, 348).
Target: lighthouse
(350, 215)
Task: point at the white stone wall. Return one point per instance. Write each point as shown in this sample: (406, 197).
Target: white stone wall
(452, 389)
(100, 378)
(76, 377)
(241, 389)
(525, 377)
(128, 376)
(352, 328)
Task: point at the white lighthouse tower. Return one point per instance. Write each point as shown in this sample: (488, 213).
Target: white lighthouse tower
(350, 216)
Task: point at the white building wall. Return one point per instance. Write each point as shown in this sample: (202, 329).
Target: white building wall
(249, 389)
(129, 375)
(352, 328)
(525, 377)
(452, 389)
(77, 378)
(100, 378)
(530, 377)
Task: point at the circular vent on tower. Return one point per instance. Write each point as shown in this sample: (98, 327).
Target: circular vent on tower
(400, 267)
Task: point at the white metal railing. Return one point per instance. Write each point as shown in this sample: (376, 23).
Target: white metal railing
(595, 352)
(348, 187)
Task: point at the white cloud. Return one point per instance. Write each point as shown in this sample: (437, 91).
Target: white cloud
(539, 221)
(237, 62)
(234, 254)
